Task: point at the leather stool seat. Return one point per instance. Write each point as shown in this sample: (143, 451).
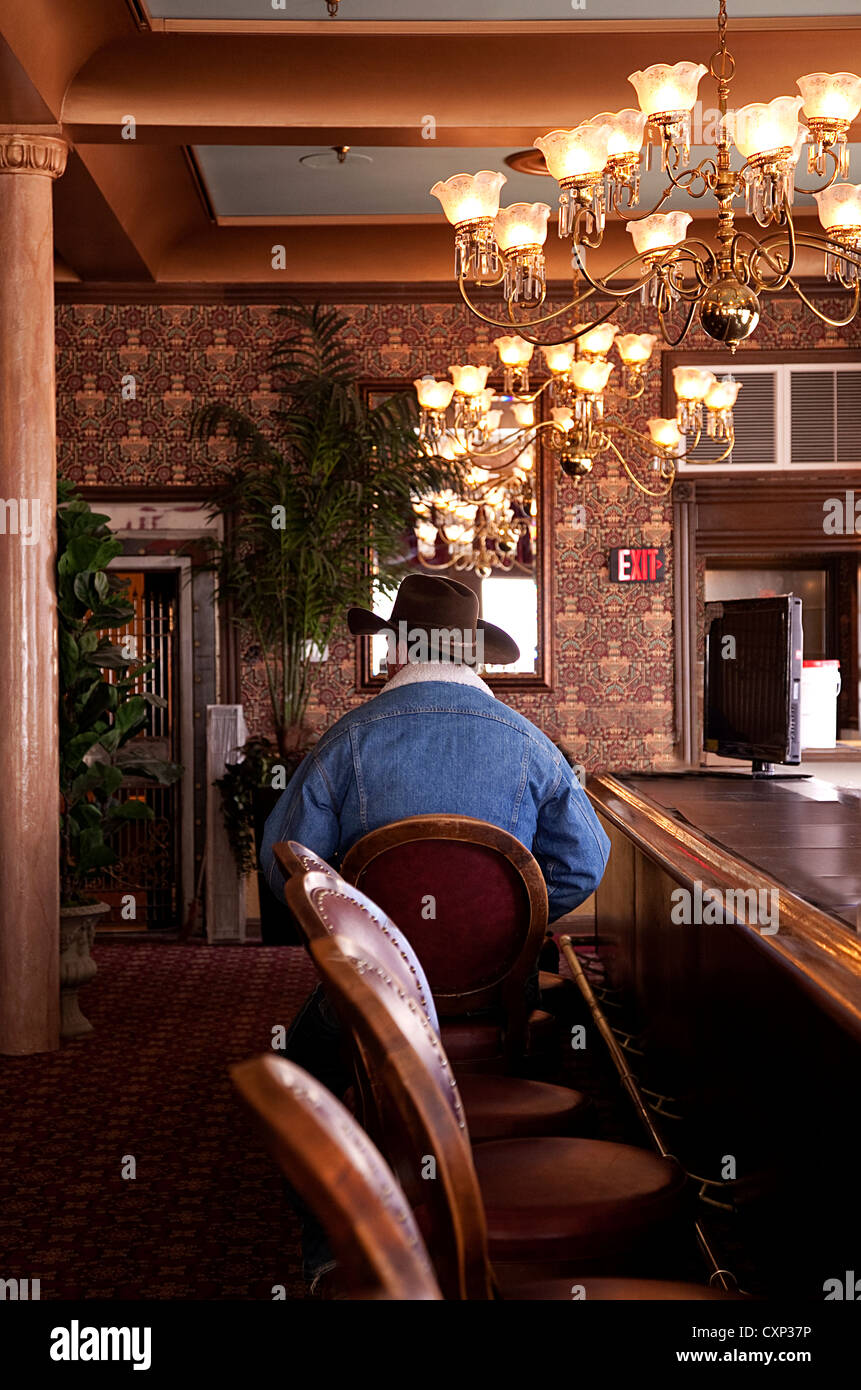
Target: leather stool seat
(614, 1290)
(567, 1199)
(503, 1107)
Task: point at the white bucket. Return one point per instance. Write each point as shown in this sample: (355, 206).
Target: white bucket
(820, 686)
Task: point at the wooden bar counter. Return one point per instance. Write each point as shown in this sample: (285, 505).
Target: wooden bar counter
(752, 1031)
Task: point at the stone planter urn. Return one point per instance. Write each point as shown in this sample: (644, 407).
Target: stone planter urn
(77, 967)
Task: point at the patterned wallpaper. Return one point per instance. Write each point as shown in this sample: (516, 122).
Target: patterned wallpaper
(129, 377)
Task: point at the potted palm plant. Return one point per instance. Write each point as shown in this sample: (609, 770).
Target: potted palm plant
(98, 720)
(312, 507)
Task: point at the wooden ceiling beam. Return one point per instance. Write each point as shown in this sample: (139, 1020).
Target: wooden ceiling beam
(182, 83)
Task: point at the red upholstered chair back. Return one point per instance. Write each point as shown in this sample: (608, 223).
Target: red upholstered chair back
(325, 899)
(422, 1120)
(336, 1169)
(470, 898)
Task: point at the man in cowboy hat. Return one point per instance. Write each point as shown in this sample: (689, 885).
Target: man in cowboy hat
(435, 740)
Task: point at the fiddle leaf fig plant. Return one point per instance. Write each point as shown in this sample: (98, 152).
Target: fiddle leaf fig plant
(98, 717)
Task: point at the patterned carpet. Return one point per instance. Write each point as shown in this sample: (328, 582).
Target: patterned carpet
(205, 1217)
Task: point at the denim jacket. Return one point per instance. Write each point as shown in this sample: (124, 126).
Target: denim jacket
(440, 747)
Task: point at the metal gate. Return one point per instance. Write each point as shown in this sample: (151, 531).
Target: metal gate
(142, 888)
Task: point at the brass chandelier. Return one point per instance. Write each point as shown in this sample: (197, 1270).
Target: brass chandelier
(597, 166)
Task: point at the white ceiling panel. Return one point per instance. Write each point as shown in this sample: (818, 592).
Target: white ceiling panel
(488, 11)
(270, 181)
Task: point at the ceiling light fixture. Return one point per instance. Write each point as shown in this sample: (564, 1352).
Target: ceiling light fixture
(597, 167)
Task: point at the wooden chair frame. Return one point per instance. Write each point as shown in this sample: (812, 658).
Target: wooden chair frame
(336, 1169)
(418, 1123)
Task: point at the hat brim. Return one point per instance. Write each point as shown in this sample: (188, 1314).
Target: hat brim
(499, 648)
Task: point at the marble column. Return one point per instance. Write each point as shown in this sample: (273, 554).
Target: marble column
(30, 159)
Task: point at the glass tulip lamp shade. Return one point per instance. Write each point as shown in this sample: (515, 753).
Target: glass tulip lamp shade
(635, 349)
(653, 236)
(840, 215)
(515, 354)
(691, 385)
(666, 435)
(559, 357)
(434, 399)
(591, 377)
(524, 414)
(433, 395)
(720, 399)
(469, 381)
(471, 202)
(832, 100)
(667, 94)
(589, 380)
(596, 342)
(626, 129)
(520, 232)
(576, 159)
(514, 351)
(765, 134)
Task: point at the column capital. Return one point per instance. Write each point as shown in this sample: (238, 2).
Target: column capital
(32, 150)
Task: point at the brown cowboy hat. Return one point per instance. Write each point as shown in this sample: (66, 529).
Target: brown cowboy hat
(427, 601)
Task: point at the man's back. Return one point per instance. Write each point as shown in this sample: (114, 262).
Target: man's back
(425, 746)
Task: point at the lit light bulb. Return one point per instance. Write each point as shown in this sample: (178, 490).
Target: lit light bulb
(524, 414)
(469, 381)
(635, 349)
(433, 395)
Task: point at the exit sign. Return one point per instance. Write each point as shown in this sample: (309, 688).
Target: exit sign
(632, 563)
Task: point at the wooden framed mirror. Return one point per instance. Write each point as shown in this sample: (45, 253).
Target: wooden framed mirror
(514, 592)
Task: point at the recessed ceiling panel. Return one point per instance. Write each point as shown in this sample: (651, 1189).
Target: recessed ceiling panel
(488, 11)
(272, 180)
(393, 181)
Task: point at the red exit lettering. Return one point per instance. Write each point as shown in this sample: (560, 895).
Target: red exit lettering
(632, 564)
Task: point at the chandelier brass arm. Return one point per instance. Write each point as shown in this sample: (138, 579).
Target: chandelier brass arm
(674, 342)
(826, 318)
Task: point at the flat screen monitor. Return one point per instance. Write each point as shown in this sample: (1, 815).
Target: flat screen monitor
(754, 654)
